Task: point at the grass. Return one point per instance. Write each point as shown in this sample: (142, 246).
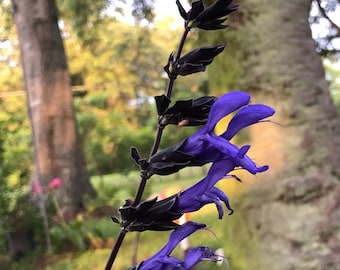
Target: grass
(224, 232)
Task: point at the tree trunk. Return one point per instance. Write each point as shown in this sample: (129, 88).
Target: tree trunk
(294, 208)
(57, 148)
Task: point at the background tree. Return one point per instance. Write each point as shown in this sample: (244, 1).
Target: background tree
(47, 83)
(291, 219)
(84, 19)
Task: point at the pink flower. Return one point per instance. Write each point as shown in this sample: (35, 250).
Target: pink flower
(55, 183)
(36, 188)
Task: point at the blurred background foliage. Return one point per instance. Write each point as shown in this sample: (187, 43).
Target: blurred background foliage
(116, 69)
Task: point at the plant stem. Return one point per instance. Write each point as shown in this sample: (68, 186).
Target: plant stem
(154, 149)
(181, 43)
(115, 249)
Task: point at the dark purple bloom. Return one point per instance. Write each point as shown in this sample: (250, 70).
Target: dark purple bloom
(160, 215)
(204, 192)
(205, 146)
(190, 112)
(210, 18)
(162, 259)
(193, 62)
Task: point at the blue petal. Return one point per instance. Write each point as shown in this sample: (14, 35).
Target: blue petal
(178, 235)
(216, 172)
(214, 199)
(247, 116)
(238, 155)
(161, 260)
(197, 254)
(199, 201)
(190, 199)
(225, 105)
(221, 196)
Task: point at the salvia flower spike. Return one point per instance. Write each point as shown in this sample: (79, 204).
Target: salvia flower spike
(200, 148)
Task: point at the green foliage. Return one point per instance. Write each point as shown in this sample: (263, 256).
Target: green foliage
(333, 75)
(15, 164)
(15, 139)
(84, 17)
(142, 9)
(66, 235)
(120, 74)
(98, 100)
(5, 20)
(18, 210)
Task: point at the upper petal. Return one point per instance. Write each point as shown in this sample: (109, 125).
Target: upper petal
(177, 236)
(217, 171)
(225, 105)
(238, 155)
(247, 116)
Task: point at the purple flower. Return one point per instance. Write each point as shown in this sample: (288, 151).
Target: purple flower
(160, 215)
(205, 146)
(162, 259)
(204, 192)
(210, 18)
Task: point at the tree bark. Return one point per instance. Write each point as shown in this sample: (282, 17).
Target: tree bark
(293, 209)
(57, 147)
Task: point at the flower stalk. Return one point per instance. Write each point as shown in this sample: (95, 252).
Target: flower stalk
(202, 147)
(154, 149)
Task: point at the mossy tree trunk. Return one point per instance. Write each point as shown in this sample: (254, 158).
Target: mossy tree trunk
(293, 210)
(57, 148)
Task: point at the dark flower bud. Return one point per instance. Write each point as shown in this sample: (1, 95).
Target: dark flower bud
(162, 103)
(171, 160)
(191, 112)
(213, 17)
(194, 61)
(210, 18)
(148, 215)
(196, 8)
